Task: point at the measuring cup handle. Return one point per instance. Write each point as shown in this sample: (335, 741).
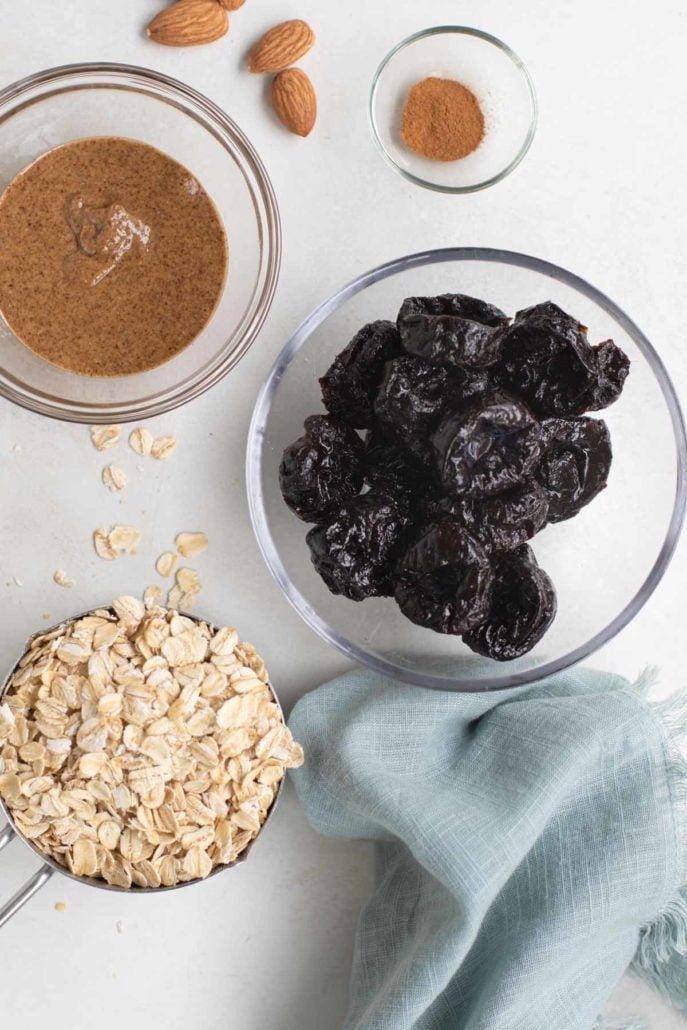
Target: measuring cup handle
(29, 888)
(6, 835)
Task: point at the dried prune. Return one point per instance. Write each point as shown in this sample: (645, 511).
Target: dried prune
(350, 383)
(548, 361)
(499, 523)
(508, 520)
(355, 552)
(491, 446)
(411, 399)
(523, 608)
(452, 329)
(467, 383)
(391, 471)
(613, 369)
(575, 465)
(444, 581)
(321, 469)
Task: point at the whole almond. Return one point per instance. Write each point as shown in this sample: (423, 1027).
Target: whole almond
(189, 23)
(294, 100)
(281, 46)
(231, 5)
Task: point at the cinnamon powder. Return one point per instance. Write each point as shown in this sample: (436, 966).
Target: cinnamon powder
(442, 120)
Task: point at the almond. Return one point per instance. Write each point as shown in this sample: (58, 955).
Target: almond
(231, 5)
(281, 46)
(189, 23)
(294, 101)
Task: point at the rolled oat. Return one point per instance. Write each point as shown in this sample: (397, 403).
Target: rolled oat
(140, 746)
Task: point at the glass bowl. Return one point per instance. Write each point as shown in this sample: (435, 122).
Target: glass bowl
(605, 563)
(76, 101)
(496, 76)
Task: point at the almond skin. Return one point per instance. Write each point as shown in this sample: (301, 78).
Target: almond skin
(189, 23)
(281, 46)
(231, 5)
(294, 101)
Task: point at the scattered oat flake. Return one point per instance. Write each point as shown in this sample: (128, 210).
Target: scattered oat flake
(176, 598)
(124, 538)
(188, 544)
(141, 440)
(166, 563)
(118, 926)
(114, 477)
(163, 447)
(60, 906)
(188, 580)
(62, 579)
(104, 437)
(152, 596)
(17, 581)
(103, 547)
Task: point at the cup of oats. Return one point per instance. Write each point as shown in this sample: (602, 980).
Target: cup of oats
(140, 749)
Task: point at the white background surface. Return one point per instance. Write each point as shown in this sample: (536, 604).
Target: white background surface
(268, 946)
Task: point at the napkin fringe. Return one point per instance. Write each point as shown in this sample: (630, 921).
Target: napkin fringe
(660, 956)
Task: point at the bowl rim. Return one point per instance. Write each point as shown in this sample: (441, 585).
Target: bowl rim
(194, 104)
(486, 37)
(256, 436)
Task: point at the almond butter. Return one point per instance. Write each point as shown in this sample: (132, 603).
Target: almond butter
(231, 5)
(294, 101)
(281, 46)
(189, 23)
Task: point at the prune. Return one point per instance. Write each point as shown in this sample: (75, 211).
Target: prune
(548, 361)
(468, 383)
(355, 552)
(508, 520)
(392, 472)
(444, 581)
(490, 447)
(575, 465)
(452, 329)
(499, 523)
(523, 608)
(613, 370)
(411, 399)
(321, 469)
(350, 383)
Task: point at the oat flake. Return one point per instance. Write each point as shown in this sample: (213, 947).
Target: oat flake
(141, 440)
(189, 544)
(62, 579)
(114, 477)
(163, 447)
(166, 563)
(103, 547)
(104, 437)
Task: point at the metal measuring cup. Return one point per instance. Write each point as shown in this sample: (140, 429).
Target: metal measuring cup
(49, 864)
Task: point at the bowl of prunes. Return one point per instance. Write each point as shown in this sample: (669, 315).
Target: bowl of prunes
(466, 469)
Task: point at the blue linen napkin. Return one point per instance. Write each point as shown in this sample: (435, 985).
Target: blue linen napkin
(530, 845)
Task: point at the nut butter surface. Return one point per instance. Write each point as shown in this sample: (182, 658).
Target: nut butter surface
(112, 257)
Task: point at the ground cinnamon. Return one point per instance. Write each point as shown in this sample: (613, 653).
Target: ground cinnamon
(442, 120)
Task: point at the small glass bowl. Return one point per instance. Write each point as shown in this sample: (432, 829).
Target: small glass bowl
(496, 76)
(605, 563)
(77, 101)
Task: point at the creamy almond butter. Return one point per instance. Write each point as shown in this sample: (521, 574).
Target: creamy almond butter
(112, 257)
